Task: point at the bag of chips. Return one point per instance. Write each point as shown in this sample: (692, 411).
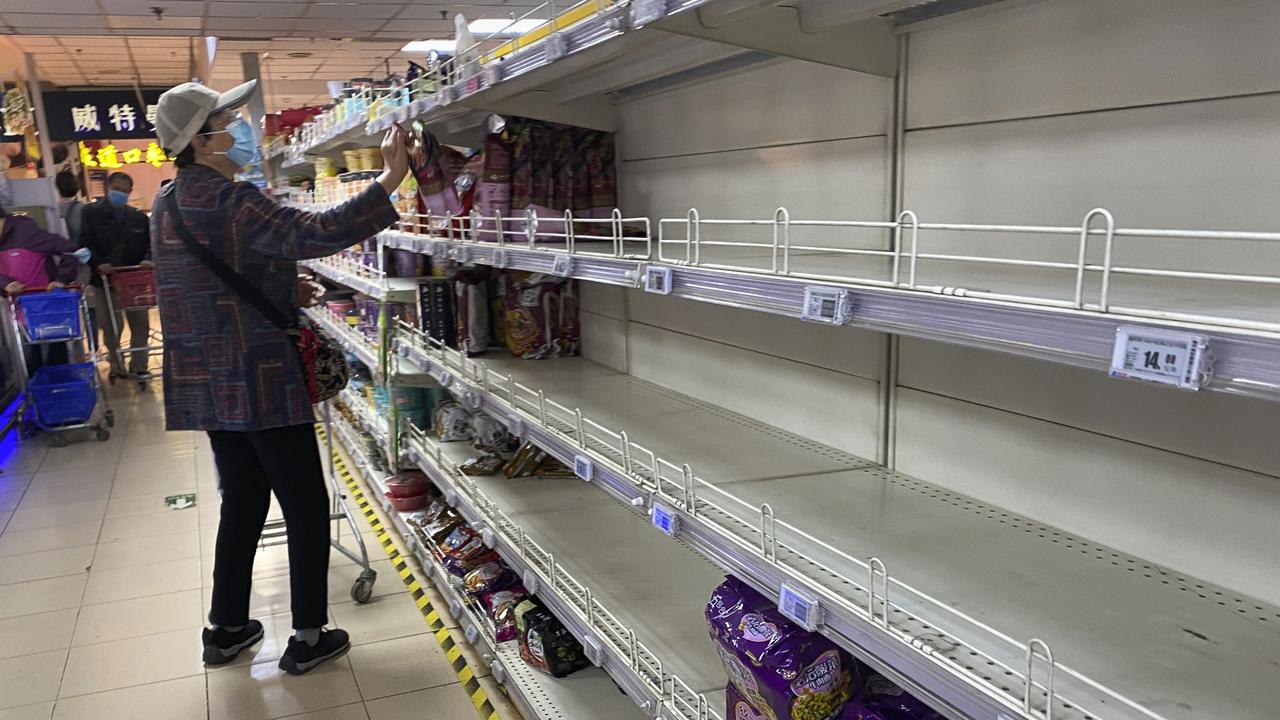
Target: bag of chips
(783, 671)
(452, 422)
(489, 577)
(545, 643)
(500, 606)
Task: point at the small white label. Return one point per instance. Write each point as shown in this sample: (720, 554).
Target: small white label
(824, 305)
(492, 73)
(440, 249)
(422, 245)
(557, 47)
(644, 12)
(583, 468)
(486, 536)
(499, 258)
(445, 96)
(461, 254)
(657, 280)
(531, 581)
(1161, 356)
(562, 265)
(444, 378)
(455, 608)
(451, 497)
(516, 427)
(665, 519)
(472, 634)
(594, 650)
(472, 400)
(499, 672)
(799, 607)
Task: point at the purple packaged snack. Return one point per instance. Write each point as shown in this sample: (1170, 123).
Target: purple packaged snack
(878, 698)
(782, 671)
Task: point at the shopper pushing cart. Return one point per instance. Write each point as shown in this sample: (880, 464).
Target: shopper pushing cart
(131, 292)
(118, 238)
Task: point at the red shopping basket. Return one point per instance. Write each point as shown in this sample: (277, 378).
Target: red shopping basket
(135, 288)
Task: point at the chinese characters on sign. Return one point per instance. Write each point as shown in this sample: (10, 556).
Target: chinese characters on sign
(110, 158)
(102, 114)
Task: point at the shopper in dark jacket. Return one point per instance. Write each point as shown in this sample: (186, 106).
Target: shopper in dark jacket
(22, 233)
(118, 235)
(231, 372)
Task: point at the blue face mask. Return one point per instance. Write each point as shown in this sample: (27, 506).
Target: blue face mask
(118, 198)
(245, 146)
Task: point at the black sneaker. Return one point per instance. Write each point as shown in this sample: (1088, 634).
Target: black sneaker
(301, 657)
(222, 646)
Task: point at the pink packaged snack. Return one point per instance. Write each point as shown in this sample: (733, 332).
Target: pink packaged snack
(782, 671)
(500, 606)
(436, 194)
(493, 192)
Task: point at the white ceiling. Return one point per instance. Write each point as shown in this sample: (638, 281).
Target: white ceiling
(115, 42)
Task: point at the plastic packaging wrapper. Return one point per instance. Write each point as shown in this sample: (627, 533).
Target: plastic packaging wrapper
(471, 288)
(491, 436)
(500, 606)
(493, 192)
(489, 577)
(539, 314)
(436, 194)
(545, 643)
(452, 422)
(781, 670)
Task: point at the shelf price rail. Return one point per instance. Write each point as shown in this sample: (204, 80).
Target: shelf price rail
(862, 606)
(614, 646)
(1080, 331)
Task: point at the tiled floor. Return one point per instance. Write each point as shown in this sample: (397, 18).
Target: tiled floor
(103, 592)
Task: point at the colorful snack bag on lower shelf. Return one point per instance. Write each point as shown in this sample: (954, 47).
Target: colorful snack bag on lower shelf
(545, 643)
(488, 578)
(780, 669)
(501, 606)
(452, 422)
(493, 192)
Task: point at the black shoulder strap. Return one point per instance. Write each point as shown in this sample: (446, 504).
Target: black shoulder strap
(231, 278)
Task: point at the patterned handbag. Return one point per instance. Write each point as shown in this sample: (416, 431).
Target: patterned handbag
(325, 366)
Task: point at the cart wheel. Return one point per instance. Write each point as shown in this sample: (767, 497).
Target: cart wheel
(362, 590)
(110, 417)
(102, 434)
(58, 440)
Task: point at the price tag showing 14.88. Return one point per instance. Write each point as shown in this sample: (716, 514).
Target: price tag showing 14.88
(1161, 356)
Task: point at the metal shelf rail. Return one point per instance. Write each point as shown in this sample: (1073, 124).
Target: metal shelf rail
(616, 647)
(938, 646)
(1074, 322)
(587, 693)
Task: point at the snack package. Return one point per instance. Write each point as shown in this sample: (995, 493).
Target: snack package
(472, 556)
(471, 287)
(603, 173)
(491, 436)
(521, 165)
(539, 318)
(545, 643)
(452, 422)
(482, 465)
(783, 671)
(436, 194)
(493, 192)
(500, 606)
(442, 527)
(877, 698)
(458, 538)
(436, 314)
(489, 577)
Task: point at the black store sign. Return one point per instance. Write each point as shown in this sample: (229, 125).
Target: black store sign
(101, 114)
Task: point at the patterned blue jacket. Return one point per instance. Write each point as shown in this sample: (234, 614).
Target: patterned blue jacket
(226, 367)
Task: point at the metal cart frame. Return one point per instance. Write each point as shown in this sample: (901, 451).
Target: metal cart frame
(101, 419)
(155, 335)
(275, 532)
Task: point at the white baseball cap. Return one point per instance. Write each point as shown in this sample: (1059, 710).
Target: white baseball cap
(184, 108)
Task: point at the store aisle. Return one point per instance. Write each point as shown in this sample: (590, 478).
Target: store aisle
(103, 591)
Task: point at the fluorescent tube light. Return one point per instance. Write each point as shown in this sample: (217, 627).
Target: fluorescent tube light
(426, 46)
(502, 26)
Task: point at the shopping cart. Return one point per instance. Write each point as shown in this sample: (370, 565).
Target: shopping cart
(131, 289)
(57, 398)
(276, 533)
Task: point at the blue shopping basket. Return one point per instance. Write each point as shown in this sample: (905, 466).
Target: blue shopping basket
(53, 315)
(63, 394)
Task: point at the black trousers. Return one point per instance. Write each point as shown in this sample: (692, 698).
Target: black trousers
(251, 466)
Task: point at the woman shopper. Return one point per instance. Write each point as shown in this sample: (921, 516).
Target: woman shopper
(233, 373)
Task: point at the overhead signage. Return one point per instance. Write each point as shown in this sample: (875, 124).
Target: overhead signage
(110, 157)
(101, 114)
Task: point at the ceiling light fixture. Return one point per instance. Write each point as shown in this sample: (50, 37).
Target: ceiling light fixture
(299, 54)
(425, 46)
(502, 27)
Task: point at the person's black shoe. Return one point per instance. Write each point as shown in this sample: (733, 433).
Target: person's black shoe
(301, 657)
(222, 646)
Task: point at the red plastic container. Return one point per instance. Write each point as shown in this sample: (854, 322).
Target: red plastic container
(135, 288)
(409, 504)
(408, 484)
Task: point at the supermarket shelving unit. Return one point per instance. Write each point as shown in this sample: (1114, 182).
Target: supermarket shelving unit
(981, 611)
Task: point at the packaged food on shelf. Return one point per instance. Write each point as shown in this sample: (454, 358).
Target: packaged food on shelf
(491, 436)
(500, 606)
(539, 314)
(436, 314)
(452, 422)
(545, 643)
(409, 483)
(783, 671)
(471, 289)
(493, 191)
(482, 465)
(489, 577)
(436, 194)
(878, 698)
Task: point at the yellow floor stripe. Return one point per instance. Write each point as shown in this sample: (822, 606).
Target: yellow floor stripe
(452, 651)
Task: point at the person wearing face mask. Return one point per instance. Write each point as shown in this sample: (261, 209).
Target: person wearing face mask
(232, 372)
(118, 235)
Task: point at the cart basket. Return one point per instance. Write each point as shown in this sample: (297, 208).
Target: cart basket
(135, 288)
(53, 315)
(63, 394)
